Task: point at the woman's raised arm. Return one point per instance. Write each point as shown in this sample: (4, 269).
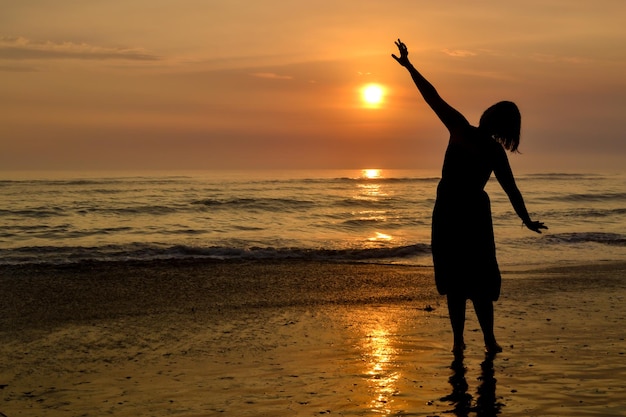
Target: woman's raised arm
(450, 117)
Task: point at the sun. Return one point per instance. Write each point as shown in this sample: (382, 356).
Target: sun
(372, 95)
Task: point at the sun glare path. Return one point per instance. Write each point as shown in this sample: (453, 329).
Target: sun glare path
(372, 95)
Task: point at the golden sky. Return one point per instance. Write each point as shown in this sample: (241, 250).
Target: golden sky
(204, 84)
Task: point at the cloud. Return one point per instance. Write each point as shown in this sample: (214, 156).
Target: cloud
(461, 53)
(16, 68)
(551, 58)
(19, 48)
(271, 75)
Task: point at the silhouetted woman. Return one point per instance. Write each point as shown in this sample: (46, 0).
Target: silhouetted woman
(463, 247)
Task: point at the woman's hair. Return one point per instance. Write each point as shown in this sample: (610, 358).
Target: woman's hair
(503, 121)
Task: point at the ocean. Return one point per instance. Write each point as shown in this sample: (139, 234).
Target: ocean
(351, 215)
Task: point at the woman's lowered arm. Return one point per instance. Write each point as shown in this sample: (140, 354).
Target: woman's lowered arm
(504, 175)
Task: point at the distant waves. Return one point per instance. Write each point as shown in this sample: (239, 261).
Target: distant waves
(147, 252)
(368, 216)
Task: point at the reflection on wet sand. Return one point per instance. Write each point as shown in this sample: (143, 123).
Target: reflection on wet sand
(392, 367)
(381, 366)
(460, 398)
(486, 402)
(382, 369)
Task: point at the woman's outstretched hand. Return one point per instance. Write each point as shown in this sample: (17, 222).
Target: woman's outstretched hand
(404, 54)
(536, 226)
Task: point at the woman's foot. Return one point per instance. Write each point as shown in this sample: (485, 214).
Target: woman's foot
(458, 348)
(493, 348)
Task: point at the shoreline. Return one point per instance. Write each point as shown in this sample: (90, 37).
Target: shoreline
(295, 338)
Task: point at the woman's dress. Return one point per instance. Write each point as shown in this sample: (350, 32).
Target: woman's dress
(463, 246)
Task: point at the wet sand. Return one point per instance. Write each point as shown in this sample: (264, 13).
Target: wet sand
(200, 338)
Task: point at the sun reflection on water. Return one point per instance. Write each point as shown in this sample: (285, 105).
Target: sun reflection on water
(370, 192)
(372, 173)
(381, 237)
(370, 189)
(375, 192)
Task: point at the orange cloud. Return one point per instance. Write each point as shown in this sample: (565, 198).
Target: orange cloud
(272, 76)
(19, 48)
(462, 53)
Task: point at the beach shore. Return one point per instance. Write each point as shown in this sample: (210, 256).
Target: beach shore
(207, 338)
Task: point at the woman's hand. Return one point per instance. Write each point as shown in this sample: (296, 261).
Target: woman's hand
(536, 226)
(404, 54)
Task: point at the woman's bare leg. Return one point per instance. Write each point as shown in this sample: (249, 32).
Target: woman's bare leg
(484, 312)
(456, 309)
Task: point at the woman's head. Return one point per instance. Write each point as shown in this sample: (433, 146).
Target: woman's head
(502, 121)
